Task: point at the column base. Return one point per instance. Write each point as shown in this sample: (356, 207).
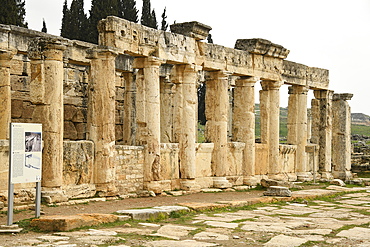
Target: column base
(343, 175)
(106, 189)
(221, 183)
(53, 195)
(251, 180)
(304, 176)
(327, 176)
(158, 186)
(278, 177)
(189, 185)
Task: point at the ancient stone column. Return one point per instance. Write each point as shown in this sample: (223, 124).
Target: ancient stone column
(129, 114)
(167, 114)
(148, 115)
(270, 124)
(5, 92)
(322, 129)
(341, 154)
(297, 127)
(244, 124)
(217, 106)
(101, 118)
(186, 122)
(46, 92)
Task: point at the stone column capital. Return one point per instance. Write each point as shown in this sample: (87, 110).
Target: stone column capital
(101, 52)
(219, 75)
(271, 85)
(342, 96)
(323, 94)
(146, 62)
(297, 89)
(39, 48)
(246, 81)
(6, 56)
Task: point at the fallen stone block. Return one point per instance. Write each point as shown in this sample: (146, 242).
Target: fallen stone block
(338, 182)
(278, 191)
(271, 182)
(152, 213)
(203, 206)
(69, 222)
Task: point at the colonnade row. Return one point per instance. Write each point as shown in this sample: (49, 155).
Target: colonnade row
(46, 92)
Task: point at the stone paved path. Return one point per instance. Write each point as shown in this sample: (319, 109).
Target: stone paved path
(341, 221)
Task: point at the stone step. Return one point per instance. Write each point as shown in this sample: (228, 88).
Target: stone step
(69, 222)
(152, 213)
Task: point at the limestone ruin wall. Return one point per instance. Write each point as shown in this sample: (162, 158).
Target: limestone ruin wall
(120, 117)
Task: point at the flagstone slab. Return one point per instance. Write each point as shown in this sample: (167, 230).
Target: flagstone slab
(359, 233)
(173, 243)
(221, 224)
(173, 231)
(210, 236)
(283, 240)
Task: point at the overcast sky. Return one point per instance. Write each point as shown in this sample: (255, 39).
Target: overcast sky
(330, 34)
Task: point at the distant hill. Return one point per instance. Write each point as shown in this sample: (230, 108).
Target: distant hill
(360, 119)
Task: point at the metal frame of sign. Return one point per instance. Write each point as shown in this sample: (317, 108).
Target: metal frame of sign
(25, 161)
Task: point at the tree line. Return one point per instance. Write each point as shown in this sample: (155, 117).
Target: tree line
(77, 25)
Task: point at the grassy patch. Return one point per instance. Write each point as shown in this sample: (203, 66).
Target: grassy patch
(360, 130)
(364, 174)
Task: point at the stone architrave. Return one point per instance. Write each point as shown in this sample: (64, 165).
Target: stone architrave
(244, 124)
(101, 117)
(322, 129)
(297, 126)
(46, 92)
(148, 115)
(217, 105)
(186, 94)
(270, 124)
(5, 92)
(341, 155)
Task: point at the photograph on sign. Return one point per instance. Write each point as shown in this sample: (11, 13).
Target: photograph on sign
(26, 152)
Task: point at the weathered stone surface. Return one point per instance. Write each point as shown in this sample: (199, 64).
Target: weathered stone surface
(184, 243)
(278, 191)
(210, 236)
(174, 231)
(193, 29)
(271, 182)
(152, 213)
(262, 46)
(66, 223)
(356, 233)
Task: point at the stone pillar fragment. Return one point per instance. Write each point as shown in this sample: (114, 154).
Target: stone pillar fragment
(244, 124)
(101, 118)
(297, 127)
(217, 106)
(322, 129)
(186, 121)
(148, 115)
(46, 92)
(270, 124)
(341, 154)
(5, 92)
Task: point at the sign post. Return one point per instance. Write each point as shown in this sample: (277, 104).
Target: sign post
(25, 161)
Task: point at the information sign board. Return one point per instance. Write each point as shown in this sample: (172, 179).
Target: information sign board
(26, 153)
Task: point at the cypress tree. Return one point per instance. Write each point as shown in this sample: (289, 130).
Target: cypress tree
(100, 9)
(148, 17)
(78, 21)
(12, 12)
(44, 29)
(64, 31)
(153, 20)
(164, 22)
(128, 10)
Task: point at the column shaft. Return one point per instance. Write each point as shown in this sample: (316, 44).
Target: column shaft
(217, 104)
(101, 117)
(186, 78)
(297, 124)
(149, 119)
(46, 92)
(129, 123)
(341, 155)
(5, 92)
(244, 121)
(322, 129)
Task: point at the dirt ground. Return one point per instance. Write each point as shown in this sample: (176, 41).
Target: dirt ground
(130, 203)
